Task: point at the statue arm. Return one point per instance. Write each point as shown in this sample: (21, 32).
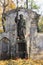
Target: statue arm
(16, 20)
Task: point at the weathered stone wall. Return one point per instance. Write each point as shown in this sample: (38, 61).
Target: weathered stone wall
(37, 47)
(36, 43)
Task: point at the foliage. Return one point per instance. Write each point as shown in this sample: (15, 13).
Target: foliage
(11, 5)
(33, 5)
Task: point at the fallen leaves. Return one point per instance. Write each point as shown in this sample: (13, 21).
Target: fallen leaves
(21, 62)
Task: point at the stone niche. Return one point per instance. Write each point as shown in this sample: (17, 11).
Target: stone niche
(31, 19)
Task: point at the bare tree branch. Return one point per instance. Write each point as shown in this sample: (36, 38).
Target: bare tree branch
(4, 5)
(1, 2)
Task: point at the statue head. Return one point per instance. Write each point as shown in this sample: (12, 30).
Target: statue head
(21, 16)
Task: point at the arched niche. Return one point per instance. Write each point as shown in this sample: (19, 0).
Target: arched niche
(5, 48)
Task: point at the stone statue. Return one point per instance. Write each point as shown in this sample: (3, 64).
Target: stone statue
(21, 27)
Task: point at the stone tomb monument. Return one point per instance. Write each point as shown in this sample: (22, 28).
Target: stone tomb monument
(20, 31)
